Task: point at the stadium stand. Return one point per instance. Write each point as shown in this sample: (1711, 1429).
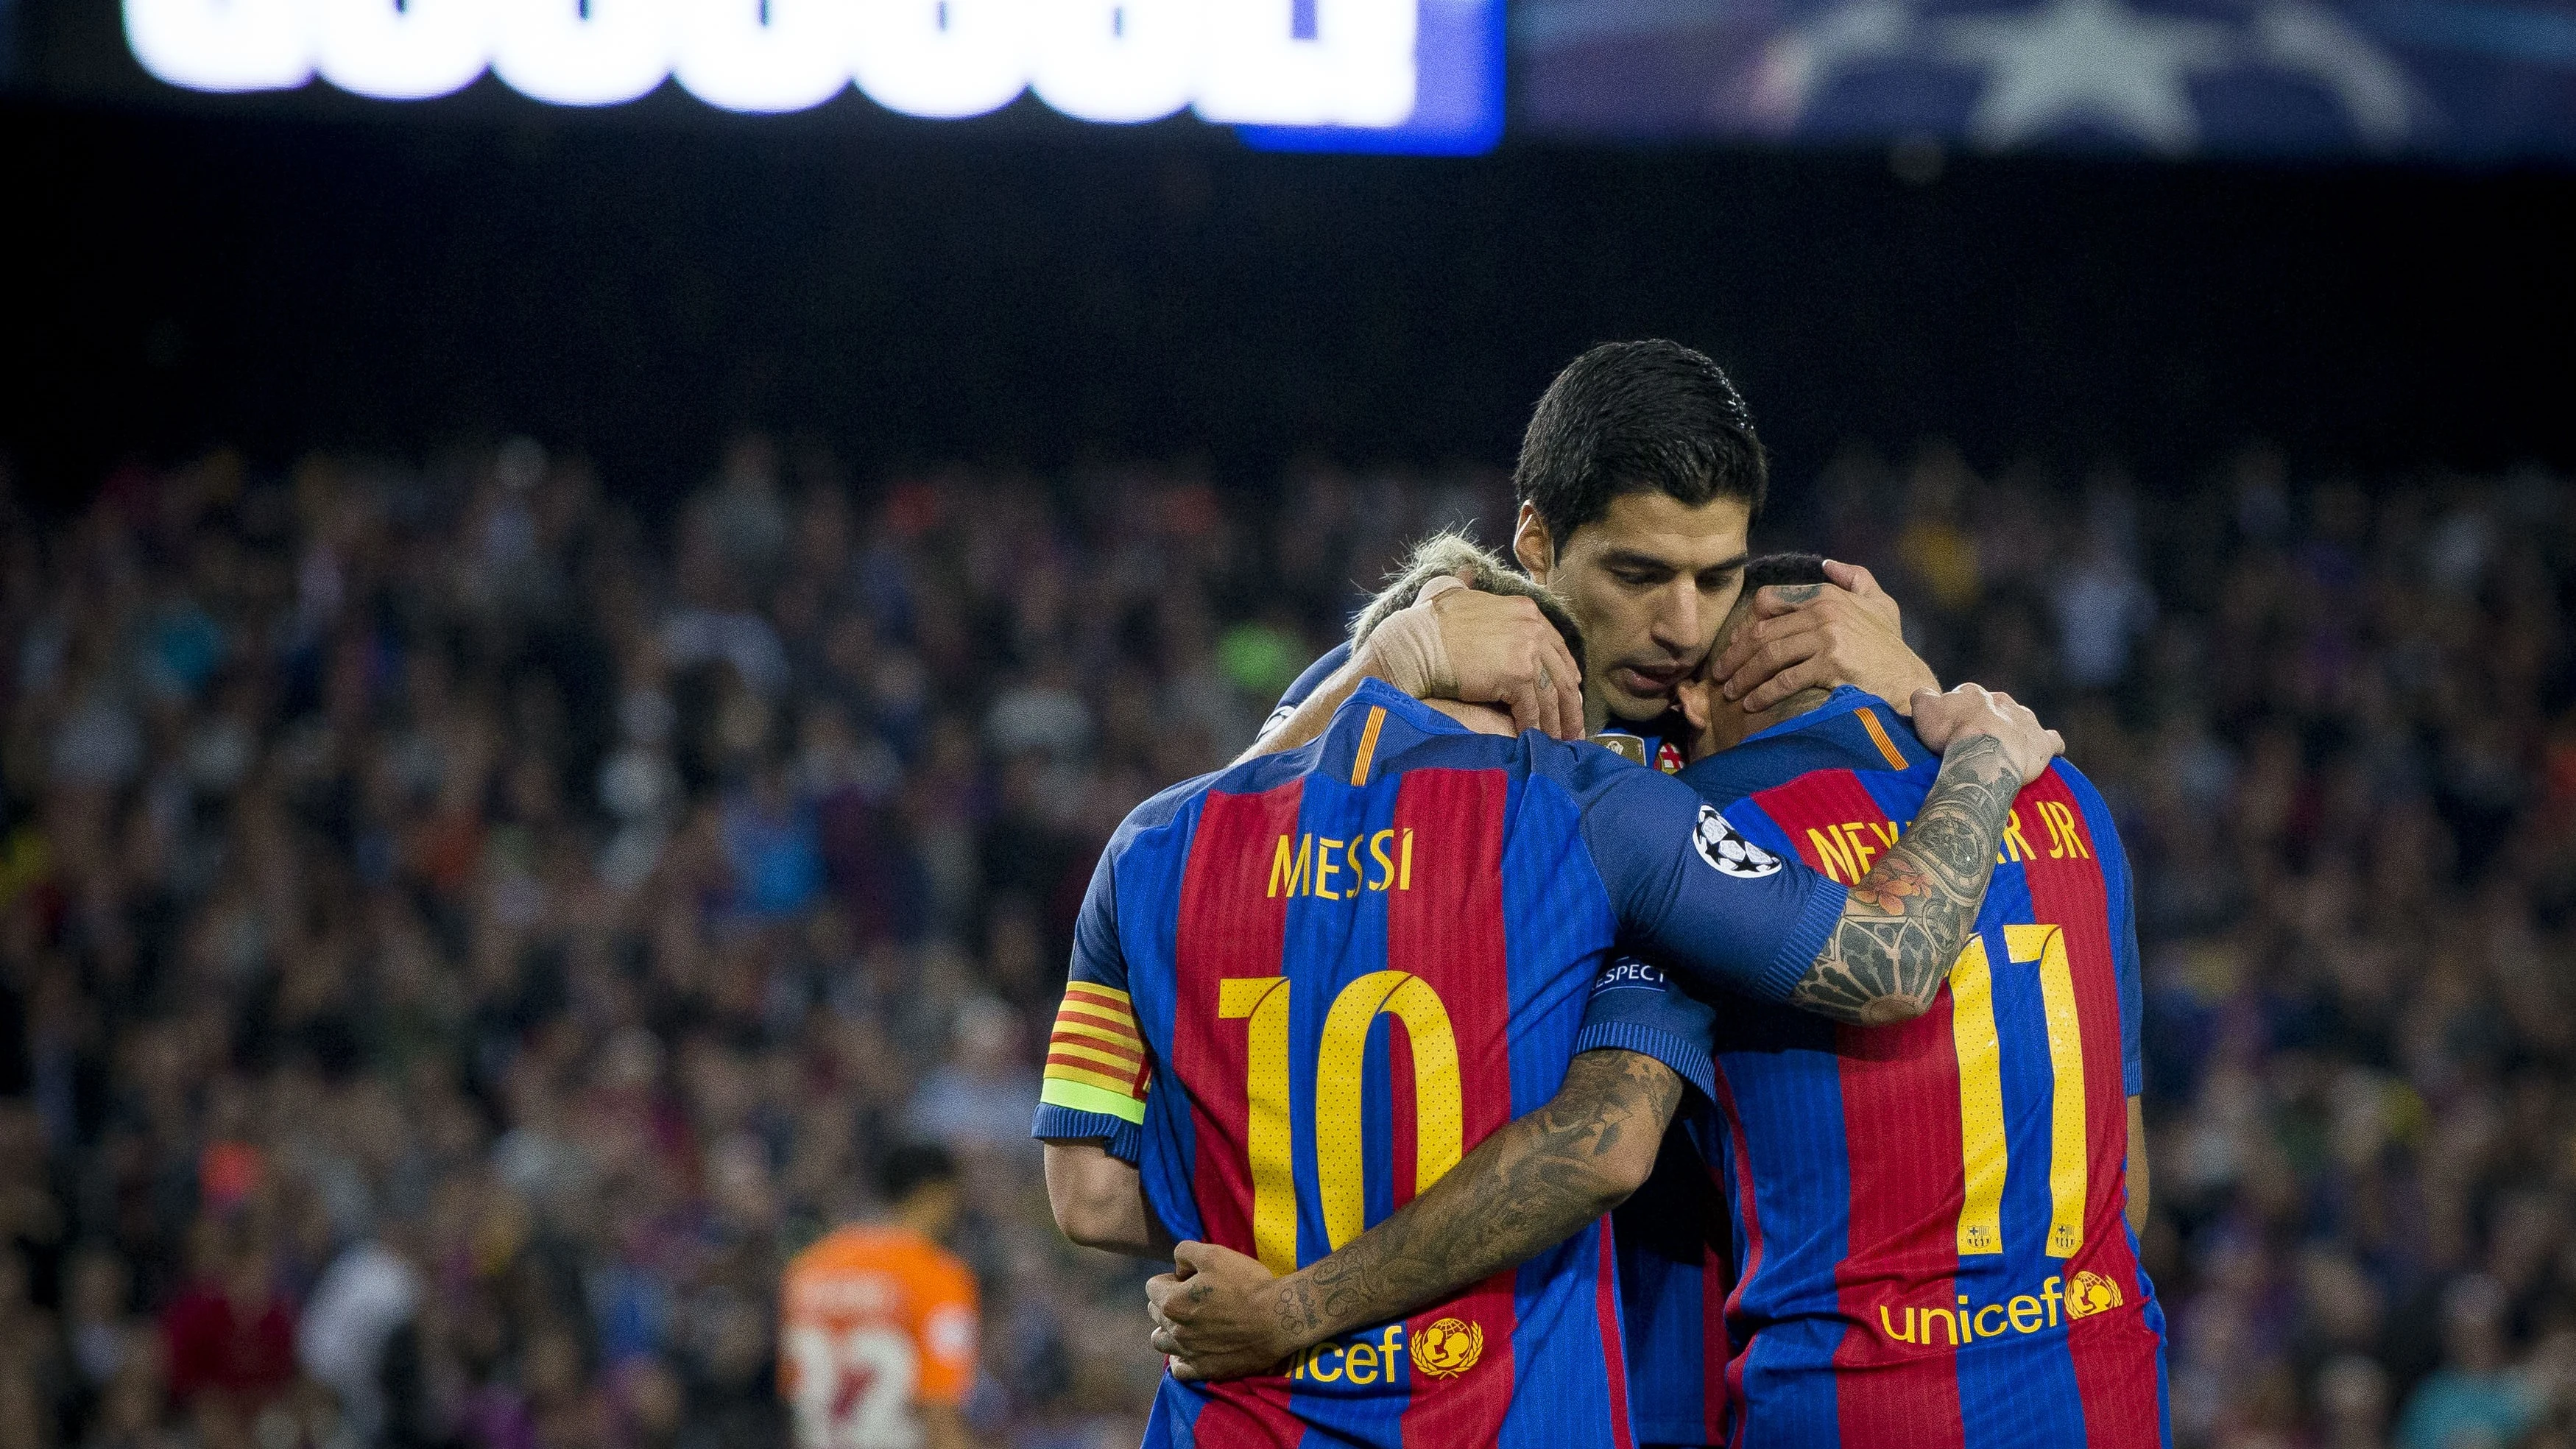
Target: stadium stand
(459, 938)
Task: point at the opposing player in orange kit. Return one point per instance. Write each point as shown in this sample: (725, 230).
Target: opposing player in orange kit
(877, 1347)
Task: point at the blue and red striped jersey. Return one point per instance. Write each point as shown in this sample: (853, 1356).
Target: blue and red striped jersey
(1929, 1243)
(1304, 987)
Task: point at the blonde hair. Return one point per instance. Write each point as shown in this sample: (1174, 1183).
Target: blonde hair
(1451, 553)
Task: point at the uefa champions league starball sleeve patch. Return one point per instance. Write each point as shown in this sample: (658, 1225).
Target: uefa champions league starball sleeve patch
(1727, 851)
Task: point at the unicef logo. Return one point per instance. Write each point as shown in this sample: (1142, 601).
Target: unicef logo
(1448, 1348)
(2091, 1293)
(1725, 848)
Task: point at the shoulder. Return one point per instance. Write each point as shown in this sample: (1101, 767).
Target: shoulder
(945, 1275)
(2089, 802)
(1171, 804)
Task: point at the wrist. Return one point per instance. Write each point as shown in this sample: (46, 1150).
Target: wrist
(1984, 749)
(1295, 1322)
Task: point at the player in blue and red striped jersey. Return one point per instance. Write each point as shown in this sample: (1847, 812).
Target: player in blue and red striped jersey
(1305, 986)
(1934, 1221)
(1931, 1245)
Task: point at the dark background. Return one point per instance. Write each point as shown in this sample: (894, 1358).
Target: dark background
(1013, 291)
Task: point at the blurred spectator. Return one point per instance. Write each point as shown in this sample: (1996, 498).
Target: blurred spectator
(2475, 1398)
(230, 1337)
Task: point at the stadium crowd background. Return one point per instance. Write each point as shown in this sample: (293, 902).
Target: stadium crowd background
(458, 936)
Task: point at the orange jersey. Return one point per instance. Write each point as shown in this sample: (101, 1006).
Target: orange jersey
(876, 1321)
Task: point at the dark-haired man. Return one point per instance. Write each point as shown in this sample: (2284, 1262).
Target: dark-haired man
(1639, 478)
(1933, 1220)
(878, 1332)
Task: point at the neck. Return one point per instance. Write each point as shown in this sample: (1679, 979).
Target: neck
(1733, 726)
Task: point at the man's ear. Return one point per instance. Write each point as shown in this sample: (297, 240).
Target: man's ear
(1700, 702)
(1532, 545)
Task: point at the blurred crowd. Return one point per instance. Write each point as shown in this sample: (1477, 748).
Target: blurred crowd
(460, 934)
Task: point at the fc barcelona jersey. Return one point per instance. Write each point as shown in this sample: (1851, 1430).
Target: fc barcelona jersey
(1304, 987)
(1929, 1241)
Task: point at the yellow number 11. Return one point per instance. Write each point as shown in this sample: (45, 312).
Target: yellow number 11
(1982, 1148)
(1340, 1154)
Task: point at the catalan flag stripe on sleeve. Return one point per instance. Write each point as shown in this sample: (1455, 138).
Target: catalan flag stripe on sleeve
(1095, 1060)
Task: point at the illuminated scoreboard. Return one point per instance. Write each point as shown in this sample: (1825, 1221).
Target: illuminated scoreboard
(1396, 75)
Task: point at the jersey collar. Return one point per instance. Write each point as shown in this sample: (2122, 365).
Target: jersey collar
(1373, 690)
(1841, 702)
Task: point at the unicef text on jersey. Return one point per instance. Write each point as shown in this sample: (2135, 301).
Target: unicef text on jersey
(1383, 74)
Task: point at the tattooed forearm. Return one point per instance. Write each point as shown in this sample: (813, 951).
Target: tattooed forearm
(1526, 1188)
(1905, 921)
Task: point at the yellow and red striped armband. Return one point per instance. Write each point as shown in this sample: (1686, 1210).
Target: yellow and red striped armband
(1095, 1060)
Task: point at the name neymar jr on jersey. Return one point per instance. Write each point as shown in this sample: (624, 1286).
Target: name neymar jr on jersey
(1844, 851)
(1332, 870)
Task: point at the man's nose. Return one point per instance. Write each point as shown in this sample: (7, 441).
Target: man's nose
(1676, 625)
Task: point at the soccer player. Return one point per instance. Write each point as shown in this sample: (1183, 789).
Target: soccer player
(1638, 478)
(1934, 1220)
(877, 1343)
(1305, 986)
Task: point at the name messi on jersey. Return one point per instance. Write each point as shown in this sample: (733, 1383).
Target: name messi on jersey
(1844, 851)
(1334, 870)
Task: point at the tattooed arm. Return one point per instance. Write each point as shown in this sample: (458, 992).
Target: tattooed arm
(1904, 922)
(1526, 1188)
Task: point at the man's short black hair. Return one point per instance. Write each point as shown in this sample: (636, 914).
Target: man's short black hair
(1773, 570)
(913, 1166)
(1637, 417)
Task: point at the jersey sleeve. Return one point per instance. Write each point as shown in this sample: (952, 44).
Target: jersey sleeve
(1635, 1007)
(1307, 683)
(1692, 891)
(949, 1330)
(1097, 1069)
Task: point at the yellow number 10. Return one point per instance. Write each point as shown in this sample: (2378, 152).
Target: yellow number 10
(1982, 1149)
(1340, 1155)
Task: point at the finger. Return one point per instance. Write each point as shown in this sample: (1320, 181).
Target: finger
(1160, 1287)
(1434, 588)
(1569, 685)
(1164, 1342)
(1564, 705)
(1774, 601)
(1769, 659)
(1757, 633)
(1852, 577)
(2056, 742)
(1524, 701)
(1190, 1256)
(1185, 1371)
(1806, 674)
